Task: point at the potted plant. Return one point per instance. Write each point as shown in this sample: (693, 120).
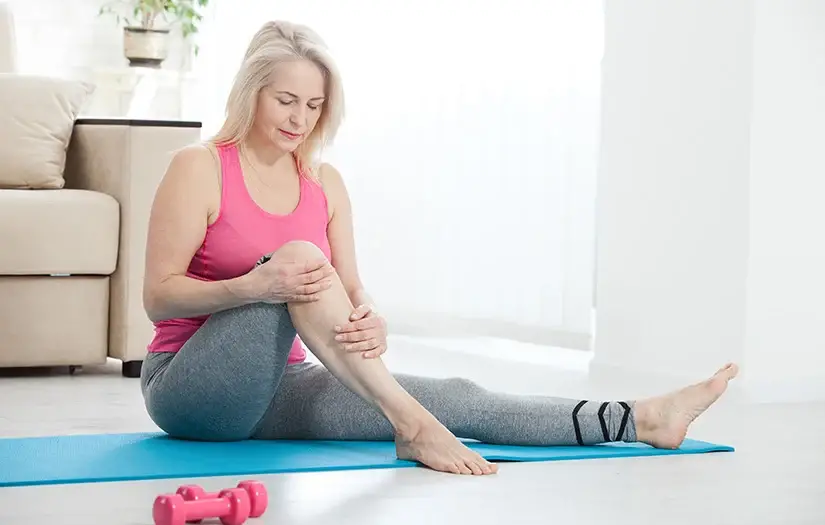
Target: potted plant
(147, 25)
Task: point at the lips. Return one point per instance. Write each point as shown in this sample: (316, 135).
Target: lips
(289, 135)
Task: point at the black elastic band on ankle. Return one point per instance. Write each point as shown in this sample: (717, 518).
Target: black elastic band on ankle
(603, 423)
(576, 422)
(624, 420)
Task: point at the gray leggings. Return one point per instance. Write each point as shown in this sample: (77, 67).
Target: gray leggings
(231, 381)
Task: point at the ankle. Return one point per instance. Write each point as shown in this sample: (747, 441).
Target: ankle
(644, 415)
(408, 421)
(648, 419)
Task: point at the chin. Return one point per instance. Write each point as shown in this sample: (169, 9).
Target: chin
(288, 146)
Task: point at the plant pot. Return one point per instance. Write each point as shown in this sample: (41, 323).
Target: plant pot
(145, 47)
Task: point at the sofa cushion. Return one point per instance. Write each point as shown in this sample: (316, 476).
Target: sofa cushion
(48, 232)
(53, 321)
(36, 120)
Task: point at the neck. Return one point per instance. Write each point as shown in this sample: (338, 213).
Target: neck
(262, 151)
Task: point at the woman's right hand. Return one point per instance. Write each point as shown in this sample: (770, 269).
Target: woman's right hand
(284, 281)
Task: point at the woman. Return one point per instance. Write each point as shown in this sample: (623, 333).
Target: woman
(250, 251)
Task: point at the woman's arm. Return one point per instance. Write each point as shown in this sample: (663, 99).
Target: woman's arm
(341, 236)
(366, 332)
(177, 226)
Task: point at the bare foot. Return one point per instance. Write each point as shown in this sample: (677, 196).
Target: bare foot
(436, 447)
(663, 421)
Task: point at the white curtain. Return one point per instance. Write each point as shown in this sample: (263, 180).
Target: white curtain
(469, 149)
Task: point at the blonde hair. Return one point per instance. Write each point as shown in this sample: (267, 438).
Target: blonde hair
(276, 42)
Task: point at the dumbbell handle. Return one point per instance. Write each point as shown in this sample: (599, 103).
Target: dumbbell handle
(208, 495)
(257, 496)
(214, 507)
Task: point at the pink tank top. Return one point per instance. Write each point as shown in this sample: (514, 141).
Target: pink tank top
(242, 234)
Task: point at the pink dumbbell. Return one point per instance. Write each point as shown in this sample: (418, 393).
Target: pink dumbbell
(231, 506)
(256, 490)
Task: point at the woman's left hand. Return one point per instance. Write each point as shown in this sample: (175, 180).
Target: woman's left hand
(366, 332)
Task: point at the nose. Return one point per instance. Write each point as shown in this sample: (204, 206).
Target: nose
(298, 116)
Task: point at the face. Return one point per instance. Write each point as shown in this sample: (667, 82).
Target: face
(290, 106)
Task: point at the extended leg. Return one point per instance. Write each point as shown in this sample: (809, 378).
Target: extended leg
(313, 404)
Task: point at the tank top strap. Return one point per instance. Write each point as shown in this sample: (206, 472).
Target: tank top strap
(232, 182)
(313, 196)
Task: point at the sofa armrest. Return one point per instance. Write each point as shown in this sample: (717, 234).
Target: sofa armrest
(127, 160)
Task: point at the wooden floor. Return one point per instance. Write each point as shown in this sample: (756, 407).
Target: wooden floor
(776, 476)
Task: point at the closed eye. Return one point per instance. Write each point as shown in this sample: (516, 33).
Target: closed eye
(290, 102)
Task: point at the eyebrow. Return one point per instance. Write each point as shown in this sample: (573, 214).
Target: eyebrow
(296, 96)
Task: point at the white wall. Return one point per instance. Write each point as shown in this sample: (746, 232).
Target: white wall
(785, 342)
(61, 36)
(672, 212)
(68, 38)
(709, 180)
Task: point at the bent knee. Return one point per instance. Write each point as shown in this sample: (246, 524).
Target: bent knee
(296, 251)
(463, 387)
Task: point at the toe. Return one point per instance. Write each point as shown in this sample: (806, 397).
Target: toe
(486, 466)
(476, 468)
(483, 464)
(452, 468)
(489, 468)
(729, 370)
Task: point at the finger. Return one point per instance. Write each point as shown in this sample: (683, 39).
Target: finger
(313, 276)
(362, 346)
(361, 335)
(312, 265)
(378, 352)
(360, 312)
(361, 324)
(303, 298)
(354, 337)
(312, 289)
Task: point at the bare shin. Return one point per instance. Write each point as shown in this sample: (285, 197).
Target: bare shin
(368, 378)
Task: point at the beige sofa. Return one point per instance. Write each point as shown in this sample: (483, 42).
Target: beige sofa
(75, 196)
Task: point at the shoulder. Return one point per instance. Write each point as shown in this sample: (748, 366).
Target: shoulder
(333, 182)
(194, 170)
(329, 176)
(195, 158)
(196, 164)
(333, 186)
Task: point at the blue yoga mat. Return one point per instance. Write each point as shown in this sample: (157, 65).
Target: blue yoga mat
(93, 458)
